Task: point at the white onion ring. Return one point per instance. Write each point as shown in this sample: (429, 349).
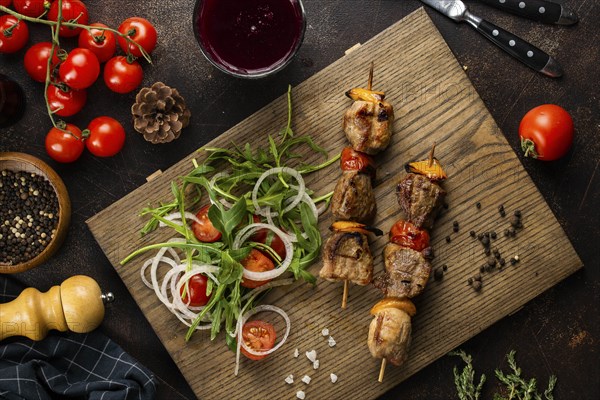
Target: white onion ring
(290, 171)
(176, 217)
(240, 324)
(246, 232)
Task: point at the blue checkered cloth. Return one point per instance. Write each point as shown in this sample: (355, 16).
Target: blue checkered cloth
(69, 365)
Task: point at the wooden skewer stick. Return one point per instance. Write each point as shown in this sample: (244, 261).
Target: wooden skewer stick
(382, 369)
(431, 154)
(345, 294)
(370, 82)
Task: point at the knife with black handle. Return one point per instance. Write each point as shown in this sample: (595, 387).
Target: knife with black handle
(538, 10)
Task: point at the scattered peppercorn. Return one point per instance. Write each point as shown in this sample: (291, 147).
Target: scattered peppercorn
(512, 232)
(482, 268)
(487, 251)
(502, 261)
(470, 281)
(478, 205)
(515, 222)
(448, 239)
(455, 226)
(438, 274)
(501, 210)
(513, 261)
(480, 236)
(493, 235)
(444, 267)
(477, 285)
(477, 277)
(496, 253)
(517, 213)
(506, 233)
(485, 241)
(491, 261)
(472, 233)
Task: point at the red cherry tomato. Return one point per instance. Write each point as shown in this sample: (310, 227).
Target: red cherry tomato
(266, 236)
(36, 60)
(64, 147)
(72, 10)
(105, 137)
(141, 31)
(204, 230)
(196, 289)
(80, 70)
(122, 76)
(256, 261)
(101, 42)
(259, 336)
(546, 132)
(31, 8)
(403, 233)
(65, 103)
(352, 160)
(5, 3)
(14, 34)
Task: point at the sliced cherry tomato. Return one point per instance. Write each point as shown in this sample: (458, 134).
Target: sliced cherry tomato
(256, 261)
(101, 42)
(105, 137)
(72, 10)
(141, 31)
(403, 233)
(31, 8)
(122, 76)
(80, 69)
(546, 132)
(65, 147)
(14, 34)
(36, 60)
(352, 160)
(196, 289)
(204, 230)
(65, 103)
(259, 336)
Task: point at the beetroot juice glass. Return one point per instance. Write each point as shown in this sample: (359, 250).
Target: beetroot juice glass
(249, 38)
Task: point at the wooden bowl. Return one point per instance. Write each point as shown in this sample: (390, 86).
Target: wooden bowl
(24, 162)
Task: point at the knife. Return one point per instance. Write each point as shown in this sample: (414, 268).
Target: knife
(523, 51)
(538, 10)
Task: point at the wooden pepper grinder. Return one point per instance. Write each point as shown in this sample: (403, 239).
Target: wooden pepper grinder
(76, 305)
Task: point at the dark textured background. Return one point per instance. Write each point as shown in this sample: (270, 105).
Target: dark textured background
(557, 333)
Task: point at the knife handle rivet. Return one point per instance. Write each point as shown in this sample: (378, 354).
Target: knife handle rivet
(542, 10)
(522, 4)
(530, 54)
(502, 1)
(495, 32)
(512, 43)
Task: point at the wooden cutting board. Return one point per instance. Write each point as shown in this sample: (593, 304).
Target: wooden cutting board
(434, 102)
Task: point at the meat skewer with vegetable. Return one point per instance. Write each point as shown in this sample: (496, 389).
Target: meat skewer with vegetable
(367, 125)
(407, 262)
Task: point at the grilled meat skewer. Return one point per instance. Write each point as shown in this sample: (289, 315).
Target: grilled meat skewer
(368, 125)
(347, 256)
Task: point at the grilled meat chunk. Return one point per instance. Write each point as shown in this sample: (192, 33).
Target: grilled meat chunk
(407, 272)
(390, 335)
(420, 199)
(347, 256)
(353, 198)
(368, 125)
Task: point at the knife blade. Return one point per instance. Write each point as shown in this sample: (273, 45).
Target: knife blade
(544, 11)
(523, 51)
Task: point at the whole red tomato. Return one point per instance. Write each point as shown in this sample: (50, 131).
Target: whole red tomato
(14, 34)
(36, 60)
(196, 289)
(80, 69)
(31, 8)
(546, 132)
(121, 75)
(65, 103)
(64, 146)
(105, 136)
(141, 31)
(72, 10)
(101, 42)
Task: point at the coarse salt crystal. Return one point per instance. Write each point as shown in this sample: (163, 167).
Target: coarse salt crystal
(331, 341)
(325, 332)
(306, 379)
(296, 353)
(316, 364)
(290, 379)
(300, 394)
(311, 355)
(333, 377)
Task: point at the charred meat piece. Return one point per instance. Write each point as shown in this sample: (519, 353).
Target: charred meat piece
(390, 335)
(353, 198)
(407, 272)
(368, 125)
(420, 199)
(347, 256)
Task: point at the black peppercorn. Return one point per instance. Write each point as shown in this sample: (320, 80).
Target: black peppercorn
(477, 285)
(448, 239)
(438, 274)
(472, 233)
(478, 205)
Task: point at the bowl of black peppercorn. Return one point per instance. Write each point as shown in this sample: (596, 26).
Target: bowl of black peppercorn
(35, 212)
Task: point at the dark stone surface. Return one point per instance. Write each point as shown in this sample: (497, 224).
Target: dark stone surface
(557, 333)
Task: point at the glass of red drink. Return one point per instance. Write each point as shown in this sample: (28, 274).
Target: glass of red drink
(249, 38)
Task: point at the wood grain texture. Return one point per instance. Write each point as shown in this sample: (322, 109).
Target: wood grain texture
(434, 102)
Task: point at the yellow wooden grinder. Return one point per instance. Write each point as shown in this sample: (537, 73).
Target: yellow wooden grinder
(76, 305)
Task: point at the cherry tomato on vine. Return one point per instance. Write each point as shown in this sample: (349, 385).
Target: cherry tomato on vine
(196, 289)
(122, 76)
(259, 336)
(31, 8)
(256, 261)
(141, 31)
(80, 69)
(36, 60)
(72, 10)
(105, 136)
(64, 147)
(546, 132)
(14, 34)
(65, 103)
(101, 42)
(205, 230)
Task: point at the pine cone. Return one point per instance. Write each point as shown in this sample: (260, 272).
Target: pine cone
(159, 113)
